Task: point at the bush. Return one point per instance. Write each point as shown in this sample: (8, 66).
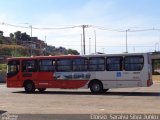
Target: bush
(3, 67)
(13, 50)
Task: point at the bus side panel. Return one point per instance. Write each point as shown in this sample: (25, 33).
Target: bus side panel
(108, 78)
(14, 82)
(44, 79)
(47, 80)
(69, 84)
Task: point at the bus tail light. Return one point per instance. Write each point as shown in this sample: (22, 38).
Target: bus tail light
(149, 81)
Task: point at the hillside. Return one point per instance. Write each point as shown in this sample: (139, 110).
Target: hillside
(21, 44)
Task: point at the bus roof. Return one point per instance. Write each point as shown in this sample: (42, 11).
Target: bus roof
(75, 56)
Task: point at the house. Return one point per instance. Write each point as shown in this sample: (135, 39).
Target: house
(7, 40)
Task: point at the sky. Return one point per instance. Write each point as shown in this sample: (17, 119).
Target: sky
(114, 16)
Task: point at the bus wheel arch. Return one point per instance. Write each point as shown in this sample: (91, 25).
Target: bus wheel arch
(96, 86)
(29, 86)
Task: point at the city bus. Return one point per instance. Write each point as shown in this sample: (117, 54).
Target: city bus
(99, 72)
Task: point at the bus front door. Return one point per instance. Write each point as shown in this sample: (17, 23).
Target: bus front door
(13, 73)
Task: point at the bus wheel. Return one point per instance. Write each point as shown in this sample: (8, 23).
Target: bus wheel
(41, 89)
(96, 87)
(29, 87)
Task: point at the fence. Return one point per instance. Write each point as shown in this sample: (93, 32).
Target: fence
(2, 76)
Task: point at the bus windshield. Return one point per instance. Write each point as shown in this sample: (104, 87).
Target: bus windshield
(12, 68)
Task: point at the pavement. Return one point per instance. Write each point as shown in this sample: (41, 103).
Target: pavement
(71, 104)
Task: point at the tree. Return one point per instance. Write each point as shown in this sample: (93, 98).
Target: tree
(17, 36)
(73, 52)
(1, 39)
(1, 33)
(20, 37)
(12, 38)
(25, 37)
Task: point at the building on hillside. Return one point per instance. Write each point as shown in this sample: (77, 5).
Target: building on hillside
(35, 43)
(38, 44)
(3, 59)
(35, 46)
(1, 33)
(7, 40)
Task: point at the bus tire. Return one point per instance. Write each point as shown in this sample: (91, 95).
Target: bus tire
(41, 89)
(29, 87)
(96, 87)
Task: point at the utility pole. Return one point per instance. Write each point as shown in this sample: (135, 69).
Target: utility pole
(45, 45)
(95, 41)
(84, 46)
(89, 45)
(127, 40)
(31, 41)
(81, 46)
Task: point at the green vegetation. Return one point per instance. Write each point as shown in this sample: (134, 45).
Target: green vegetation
(3, 67)
(73, 52)
(13, 50)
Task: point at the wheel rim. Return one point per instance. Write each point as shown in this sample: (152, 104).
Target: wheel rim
(29, 87)
(96, 87)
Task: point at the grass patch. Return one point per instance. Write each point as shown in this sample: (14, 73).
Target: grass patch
(3, 67)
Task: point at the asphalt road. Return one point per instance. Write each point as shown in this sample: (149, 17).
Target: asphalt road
(143, 100)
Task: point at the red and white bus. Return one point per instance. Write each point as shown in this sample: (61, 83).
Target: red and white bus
(97, 72)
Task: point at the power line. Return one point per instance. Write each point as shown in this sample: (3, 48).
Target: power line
(40, 28)
(58, 28)
(78, 26)
(108, 29)
(124, 30)
(19, 26)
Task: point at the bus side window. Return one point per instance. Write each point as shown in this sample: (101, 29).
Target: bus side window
(114, 63)
(64, 65)
(29, 66)
(133, 63)
(80, 64)
(47, 65)
(97, 64)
